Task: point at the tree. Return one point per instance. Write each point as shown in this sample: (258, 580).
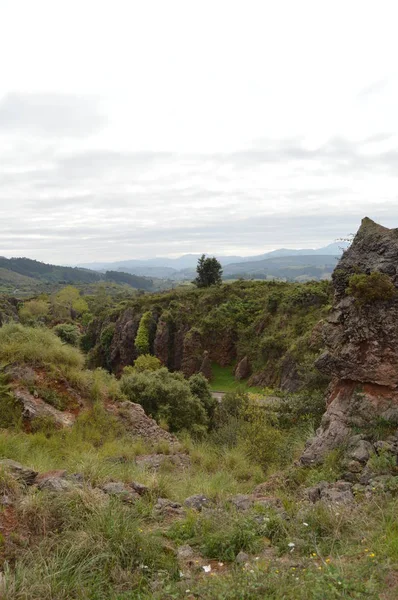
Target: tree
(209, 272)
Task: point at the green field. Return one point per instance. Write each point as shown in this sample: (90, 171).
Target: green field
(223, 380)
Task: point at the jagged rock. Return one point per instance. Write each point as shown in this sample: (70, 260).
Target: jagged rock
(198, 501)
(338, 492)
(155, 461)
(20, 472)
(361, 345)
(121, 491)
(243, 370)
(192, 353)
(140, 488)
(359, 450)
(138, 423)
(56, 483)
(166, 507)
(122, 348)
(205, 367)
(290, 378)
(34, 408)
(162, 343)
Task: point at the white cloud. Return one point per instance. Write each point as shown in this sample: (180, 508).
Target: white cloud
(129, 129)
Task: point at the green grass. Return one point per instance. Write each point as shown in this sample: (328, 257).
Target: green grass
(223, 380)
(36, 345)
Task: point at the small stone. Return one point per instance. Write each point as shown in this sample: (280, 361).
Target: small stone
(242, 558)
(241, 502)
(55, 484)
(185, 552)
(198, 501)
(120, 490)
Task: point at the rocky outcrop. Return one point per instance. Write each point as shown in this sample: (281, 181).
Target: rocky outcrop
(34, 408)
(361, 345)
(162, 343)
(137, 423)
(205, 367)
(192, 353)
(122, 348)
(243, 370)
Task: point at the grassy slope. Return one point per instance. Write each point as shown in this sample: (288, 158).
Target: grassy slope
(85, 545)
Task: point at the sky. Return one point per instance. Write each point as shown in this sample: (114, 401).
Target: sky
(134, 129)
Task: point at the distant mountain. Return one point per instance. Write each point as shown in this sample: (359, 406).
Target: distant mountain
(300, 267)
(172, 267)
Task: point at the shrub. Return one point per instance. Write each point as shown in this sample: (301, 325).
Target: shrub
(142, 338)
(166, 396)
(146, 362)
(199, 387)
(10, 408)
(34, 310)
(36, 345)
(367, 289)
(68, 333)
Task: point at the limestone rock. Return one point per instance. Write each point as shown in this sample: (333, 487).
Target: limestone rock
(361, 346)
(36, 408)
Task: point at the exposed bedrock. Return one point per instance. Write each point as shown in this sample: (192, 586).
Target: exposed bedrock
(361, 340)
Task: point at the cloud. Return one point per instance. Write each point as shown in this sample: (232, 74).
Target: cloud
(50, 115)
(109, 205)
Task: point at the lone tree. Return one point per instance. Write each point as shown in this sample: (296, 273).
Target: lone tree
(209, 272)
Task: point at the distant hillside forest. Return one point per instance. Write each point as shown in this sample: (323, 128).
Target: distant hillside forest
(27, 275)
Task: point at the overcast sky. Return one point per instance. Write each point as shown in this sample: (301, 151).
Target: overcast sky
(140, 128)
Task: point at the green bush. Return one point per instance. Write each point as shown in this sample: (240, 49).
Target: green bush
(145, 362)
(142, 338)
(200, 388)
(10, 408)
(166, 396)
(68, 333)
(374, 287)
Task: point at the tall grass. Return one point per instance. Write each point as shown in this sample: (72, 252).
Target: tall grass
(36, 345)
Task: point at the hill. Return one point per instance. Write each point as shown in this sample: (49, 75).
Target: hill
(31, 276)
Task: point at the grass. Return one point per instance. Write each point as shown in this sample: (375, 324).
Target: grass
(223, 380)
(36, 345)
(83, 544)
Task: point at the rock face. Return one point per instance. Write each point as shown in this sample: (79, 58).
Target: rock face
(205, 367)
(361, 347)
(138, 423)
(122, 350)
(33, 408)
(243, 370)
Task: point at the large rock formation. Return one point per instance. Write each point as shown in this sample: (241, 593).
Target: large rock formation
(361, 340)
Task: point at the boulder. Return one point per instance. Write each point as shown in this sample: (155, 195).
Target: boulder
(34, 407)
(137, 423)
(20, 472)
(120, 490)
